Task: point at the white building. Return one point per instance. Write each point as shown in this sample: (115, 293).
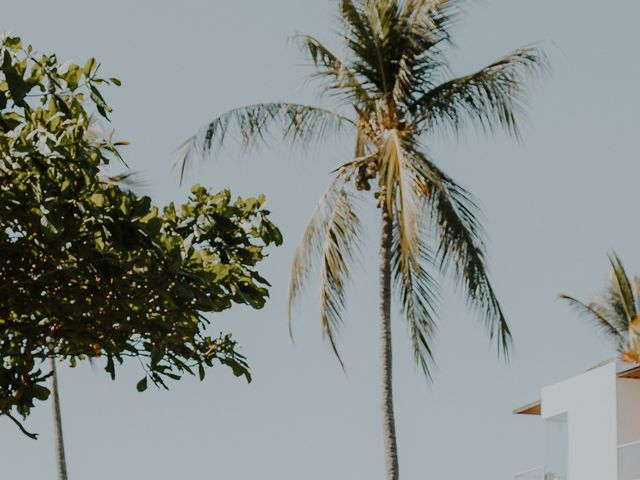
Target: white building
(592, 426)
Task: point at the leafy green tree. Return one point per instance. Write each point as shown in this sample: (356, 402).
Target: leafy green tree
(616, 313)
(393, 88)
(91, 270)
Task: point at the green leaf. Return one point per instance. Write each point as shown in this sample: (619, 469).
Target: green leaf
(99, 101)
(13, 43)
(110, 367)
(89, 66)
(98, 199)
(41, 392)
(142, 385)
(18, 87)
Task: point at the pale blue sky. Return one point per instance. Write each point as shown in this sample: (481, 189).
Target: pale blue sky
(555, 205)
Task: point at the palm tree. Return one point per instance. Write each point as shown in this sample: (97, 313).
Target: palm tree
(393, 88)
(61, 461)
(617, 312)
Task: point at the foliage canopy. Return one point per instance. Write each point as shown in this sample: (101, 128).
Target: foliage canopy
(89, 269)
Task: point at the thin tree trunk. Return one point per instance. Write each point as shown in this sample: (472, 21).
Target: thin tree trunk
(57, 420)
(388, 420)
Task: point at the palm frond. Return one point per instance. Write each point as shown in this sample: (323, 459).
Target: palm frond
(364, 34)
(417, 293)
(252, 125)
(343, 80)
(492, 97)
(622, 288)
(429, 18)
(395, 45)
(415, 289)
(616, 312)
(396, 176)
(351, 17)
(424, 30)
(613, 304)
(454, 214)
(331, 237)
(636, 290)
(597, 314)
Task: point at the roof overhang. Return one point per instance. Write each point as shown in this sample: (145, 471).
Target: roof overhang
(534, 408)
(623, 370)
(628, 370)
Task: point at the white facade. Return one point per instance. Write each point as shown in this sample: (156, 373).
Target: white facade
(592, 424)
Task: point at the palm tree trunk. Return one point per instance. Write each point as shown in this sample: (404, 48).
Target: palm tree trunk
(388, 421)
(57, 419)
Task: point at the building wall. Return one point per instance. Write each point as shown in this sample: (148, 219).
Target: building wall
(589, 400)
(628, 410)
(628, 428)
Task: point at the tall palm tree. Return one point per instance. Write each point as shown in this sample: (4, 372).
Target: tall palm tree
(617, 312)
(393, 89)
(61, 461)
